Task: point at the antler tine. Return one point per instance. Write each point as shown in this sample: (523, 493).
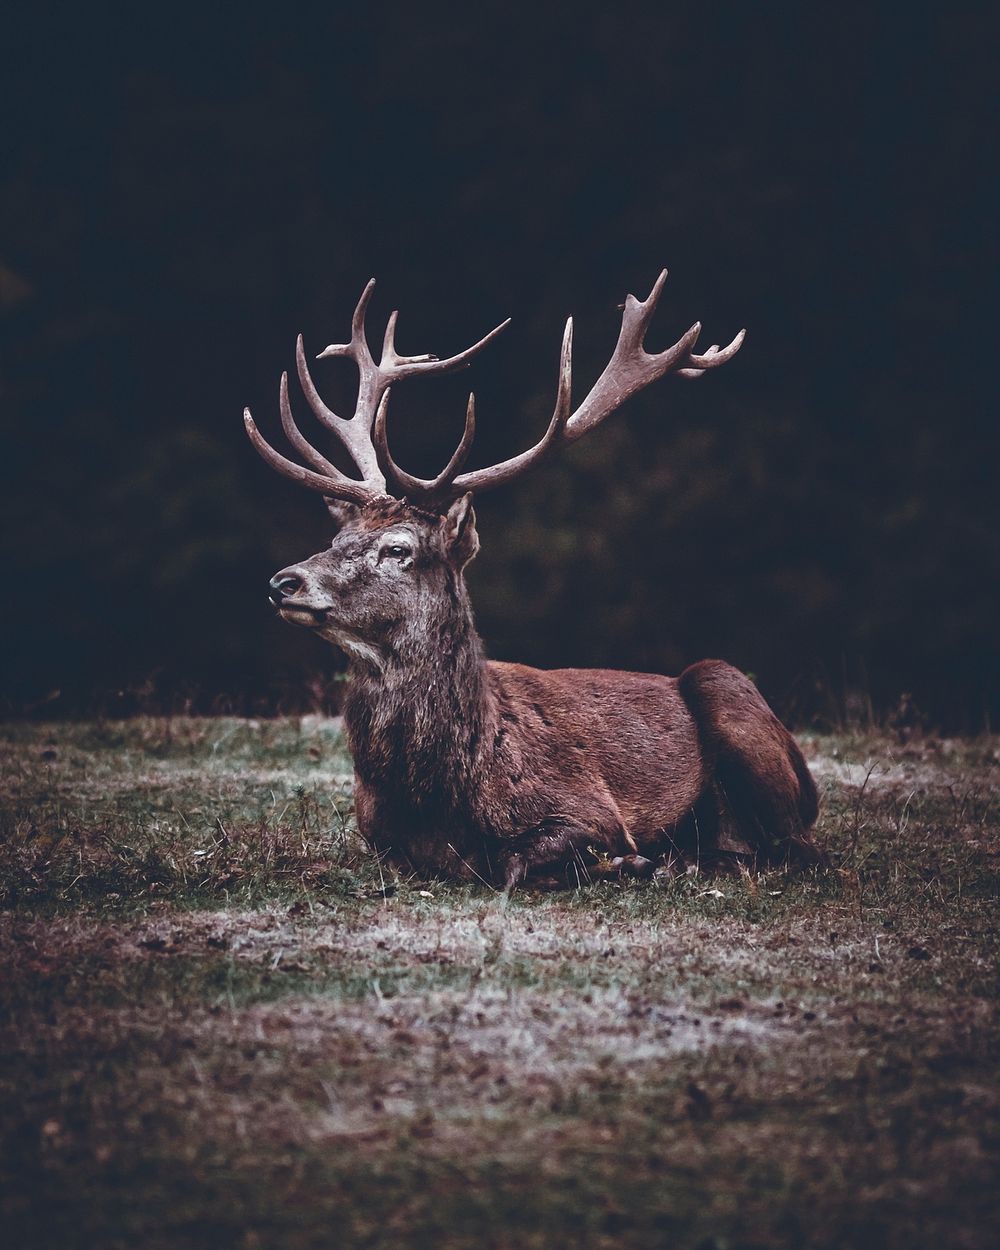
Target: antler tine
(648, 305)
(396, 477)
(336, 485)
(399, 367)
(355, 437)
(416, 488)
(718, 356)
(481, 479)
(389, 353)
(295, 435)
(461, 452)
(328, 417)
(392, 367)
(699, 365)
(360, 312)
(358, 346)
(355, 432)
(698, 373)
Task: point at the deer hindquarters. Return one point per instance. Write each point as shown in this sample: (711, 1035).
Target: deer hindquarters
(760, 776)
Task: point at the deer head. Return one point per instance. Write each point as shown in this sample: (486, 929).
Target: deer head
(390, 578)
(403, 541)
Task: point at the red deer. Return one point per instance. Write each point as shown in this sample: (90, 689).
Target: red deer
(471, 769)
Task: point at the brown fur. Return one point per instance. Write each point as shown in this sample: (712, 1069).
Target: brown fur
(480, 770)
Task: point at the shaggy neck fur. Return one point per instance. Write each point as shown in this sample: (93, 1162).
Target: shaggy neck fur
(419, 722)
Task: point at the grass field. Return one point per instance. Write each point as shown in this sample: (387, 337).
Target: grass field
(221, 1025)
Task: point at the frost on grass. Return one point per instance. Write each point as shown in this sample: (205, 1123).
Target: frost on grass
(221, 1024)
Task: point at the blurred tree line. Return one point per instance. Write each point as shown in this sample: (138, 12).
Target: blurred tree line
(178, 200)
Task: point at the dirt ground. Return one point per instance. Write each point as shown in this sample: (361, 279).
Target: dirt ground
(221, 1025)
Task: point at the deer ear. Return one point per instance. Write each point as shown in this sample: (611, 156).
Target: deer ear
(340, 511)
(460, 538)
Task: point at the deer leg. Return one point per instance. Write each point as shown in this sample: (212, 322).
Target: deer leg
(634, 865)
(556, 845)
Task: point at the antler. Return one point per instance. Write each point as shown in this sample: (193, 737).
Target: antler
(446, 485)
(356, 432)
(630, 369)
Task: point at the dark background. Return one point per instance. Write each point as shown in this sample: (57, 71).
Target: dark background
(179, 197)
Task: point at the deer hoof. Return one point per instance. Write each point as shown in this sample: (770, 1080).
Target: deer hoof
(634, 865)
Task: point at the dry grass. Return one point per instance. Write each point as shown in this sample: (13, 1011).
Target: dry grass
(221, 1025)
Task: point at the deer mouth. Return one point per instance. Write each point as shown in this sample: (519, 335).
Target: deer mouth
(302, 614)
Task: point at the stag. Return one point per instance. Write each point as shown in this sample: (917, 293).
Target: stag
(471, 769)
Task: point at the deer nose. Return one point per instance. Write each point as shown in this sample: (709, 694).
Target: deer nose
(283, 586)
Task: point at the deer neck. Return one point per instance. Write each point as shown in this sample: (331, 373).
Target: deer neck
(418, 723)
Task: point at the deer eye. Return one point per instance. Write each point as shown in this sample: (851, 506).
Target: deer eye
(396, 551)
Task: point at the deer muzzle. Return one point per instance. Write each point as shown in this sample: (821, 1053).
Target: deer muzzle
(288, 591)
(283, 586)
